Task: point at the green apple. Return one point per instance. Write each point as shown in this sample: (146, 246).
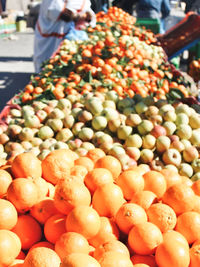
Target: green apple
(141, 107)
(146, 155)
(26, 134)
(166, 108)
(86, 134)
(64, 135)
(169, 115)
(195, 137)
(112, 95)
(113, 125)
(109, 104)
(68, 121)
(133, 120)
(145, 127)
(172, 156)
(162, 143)
(32, 121)
(57, 114)
(133, 140)
(181, 118)
(45, 132)
(183, 108)
(99, 123)
(184, 131)
(123, 132)
(171, 167)
(148, 141)
(185, 169)
(64, 103)
(151, 111)
(186, 143)
(55, 124)
(170, 127)
(124, 103)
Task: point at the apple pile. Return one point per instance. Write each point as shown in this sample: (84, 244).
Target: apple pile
(136, 130)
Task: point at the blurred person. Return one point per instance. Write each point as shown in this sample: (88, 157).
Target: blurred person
(56, 18)
(99, 5)
(155, 9)
(127, 5)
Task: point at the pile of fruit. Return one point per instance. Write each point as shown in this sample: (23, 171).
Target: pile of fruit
(194, 70)
(116, 56)
(69, 210)
(99, 157)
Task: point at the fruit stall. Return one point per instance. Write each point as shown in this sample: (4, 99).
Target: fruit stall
(99, 156)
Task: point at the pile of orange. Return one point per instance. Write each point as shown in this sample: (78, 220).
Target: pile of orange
(109, 59)
(89, 212)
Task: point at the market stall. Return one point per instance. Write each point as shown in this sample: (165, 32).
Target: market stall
(106, 141)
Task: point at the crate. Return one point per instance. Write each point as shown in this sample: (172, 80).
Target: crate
(148, 23)
(6, 29)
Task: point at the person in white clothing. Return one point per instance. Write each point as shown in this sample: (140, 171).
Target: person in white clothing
(54, 21)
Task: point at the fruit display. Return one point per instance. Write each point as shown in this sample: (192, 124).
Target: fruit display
(99, 157)
(117, 55)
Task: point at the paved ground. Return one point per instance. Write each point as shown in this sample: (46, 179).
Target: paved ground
(16, 65)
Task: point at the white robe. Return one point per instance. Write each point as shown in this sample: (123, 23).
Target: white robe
(50, 30)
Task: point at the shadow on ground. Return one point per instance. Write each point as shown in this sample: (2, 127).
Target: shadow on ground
(7, 59)
(11, 84)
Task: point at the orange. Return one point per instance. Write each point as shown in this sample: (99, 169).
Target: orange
(44, 209)
(83, 220)
(8, 215)
(115, 259)
(25, 165)
(188, 224)
(86, 162)
(163, 216)
(194, 254)
(70, 193)
(144, 238)
(108, 231)
(144, 199)
(174, 235)
(42, 257)
(128, 215)
(95, 154)
(111, 163)
(179, 197)
(54, 227)
(130, 182)
(112, 197)
(79, 260)
(155, 182)
(196, 187)
(79, 171)
(171, 177)
(57, 164)
(23, 194)
(5, 180)
(71, 242)
(149, 260)
(28, 230)
(10, 247)
(97, 177)
(45, 244)
(42, 187)
(112, 245)
(172, 253)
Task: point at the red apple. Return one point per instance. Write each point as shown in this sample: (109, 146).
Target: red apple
(158, 130)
